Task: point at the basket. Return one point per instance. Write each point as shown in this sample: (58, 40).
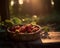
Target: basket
(24, 36)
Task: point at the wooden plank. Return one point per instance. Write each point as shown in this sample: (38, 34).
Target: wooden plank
(55, 37)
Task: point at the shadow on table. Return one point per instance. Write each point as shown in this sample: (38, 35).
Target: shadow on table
(6, 42)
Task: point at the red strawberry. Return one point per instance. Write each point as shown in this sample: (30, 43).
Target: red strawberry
(29, 26)
(17, 27)
(23, 28)
(29, 30)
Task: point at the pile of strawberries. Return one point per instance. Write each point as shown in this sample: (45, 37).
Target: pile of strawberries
(29, 28)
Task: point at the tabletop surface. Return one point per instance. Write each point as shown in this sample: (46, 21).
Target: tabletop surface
(7, 42)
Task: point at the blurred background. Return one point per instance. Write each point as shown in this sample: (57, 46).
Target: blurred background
(41, 12)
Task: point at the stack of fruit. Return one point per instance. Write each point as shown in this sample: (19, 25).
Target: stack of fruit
(25, 32)
(29, 28)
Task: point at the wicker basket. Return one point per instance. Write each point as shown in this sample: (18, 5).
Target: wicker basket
(25, 36)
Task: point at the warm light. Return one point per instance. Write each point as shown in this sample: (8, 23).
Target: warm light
(33, 1)
(35, 16)
(12, 3)
(27, 1)
(23, 19)
(52, 2)
(20, 2)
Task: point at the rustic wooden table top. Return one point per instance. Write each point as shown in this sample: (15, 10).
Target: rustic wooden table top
(8, 43)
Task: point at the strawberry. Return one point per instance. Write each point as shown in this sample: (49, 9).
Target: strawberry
(29, 30)
(17, 27)
(23, 28)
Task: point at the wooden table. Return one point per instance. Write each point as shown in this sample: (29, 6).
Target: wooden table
(6, 42)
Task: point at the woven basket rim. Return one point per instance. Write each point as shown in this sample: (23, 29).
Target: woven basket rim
(26, 33)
